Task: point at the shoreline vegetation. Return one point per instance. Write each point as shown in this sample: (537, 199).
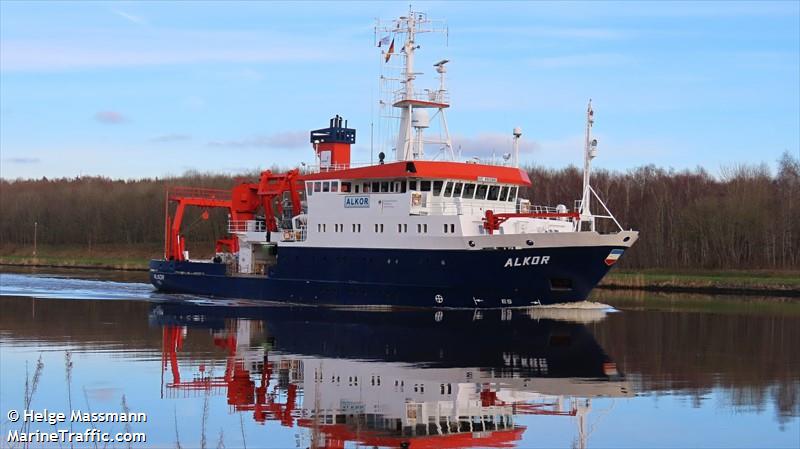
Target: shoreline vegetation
(698, 230)
(778, 283)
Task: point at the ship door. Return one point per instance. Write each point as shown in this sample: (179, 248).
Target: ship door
(264, 257)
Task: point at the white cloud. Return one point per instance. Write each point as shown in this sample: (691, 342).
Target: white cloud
(580, 60)
(166, 138)
(487, 144)
(553, 32)
(134, 48)
(138, 20)
(22, 160)
(290, 139)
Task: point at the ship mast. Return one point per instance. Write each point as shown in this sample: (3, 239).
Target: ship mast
(590, 151)
(414, 105)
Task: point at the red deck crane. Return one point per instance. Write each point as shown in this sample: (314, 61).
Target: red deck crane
(242, 203)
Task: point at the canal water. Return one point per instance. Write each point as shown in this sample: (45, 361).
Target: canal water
(626, 370)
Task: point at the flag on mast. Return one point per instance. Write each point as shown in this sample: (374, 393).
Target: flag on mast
(383, 41)
(390, 51)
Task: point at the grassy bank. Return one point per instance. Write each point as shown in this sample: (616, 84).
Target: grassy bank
(136, 257)
(757, 282)
(117, 257)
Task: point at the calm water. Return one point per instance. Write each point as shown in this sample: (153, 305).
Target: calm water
(651, 371)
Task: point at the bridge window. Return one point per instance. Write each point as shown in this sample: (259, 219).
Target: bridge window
(504, 193)
(376, 187)
(334, 186)
(310, 188)
(437, 188)
(412, 185)
(317, 186)
(425, 186)
(457, 190)
(493, 193)
(469, 191)
(401, 187)
(512, 194)
(384, 187)
(480, 192)
(448, 189)
(326, 186)
(356, 188)
(366, 188)
(345, 187)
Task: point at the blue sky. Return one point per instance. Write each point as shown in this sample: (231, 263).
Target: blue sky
(129, 90)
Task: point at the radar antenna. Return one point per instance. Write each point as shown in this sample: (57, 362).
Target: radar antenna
(412, 104)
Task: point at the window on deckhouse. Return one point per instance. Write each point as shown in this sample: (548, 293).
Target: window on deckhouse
(457, 190)
(469, 191)
(494, 191)
(512, 194)
(480, 192)
(437, 188)
(448, 190)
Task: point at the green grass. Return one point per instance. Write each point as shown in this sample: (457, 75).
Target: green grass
(755, 305)
(711, 278)
(99, 256)
(98, 262)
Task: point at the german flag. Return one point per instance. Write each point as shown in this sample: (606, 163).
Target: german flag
(390, 51)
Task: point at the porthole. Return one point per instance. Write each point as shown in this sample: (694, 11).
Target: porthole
(626, 239)
(529, 242)
(472, 244)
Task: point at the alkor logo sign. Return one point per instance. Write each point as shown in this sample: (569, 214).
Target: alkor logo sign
(526, 261)
(354, 201)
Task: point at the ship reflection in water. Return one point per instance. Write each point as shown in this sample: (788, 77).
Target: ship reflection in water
(400, 379)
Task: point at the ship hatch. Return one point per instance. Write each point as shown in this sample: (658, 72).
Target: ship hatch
(560, 284)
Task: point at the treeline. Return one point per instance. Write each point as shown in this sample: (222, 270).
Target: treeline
(97, 210)
(746, 218)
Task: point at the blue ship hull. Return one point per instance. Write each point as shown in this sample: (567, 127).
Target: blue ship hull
(487, 278)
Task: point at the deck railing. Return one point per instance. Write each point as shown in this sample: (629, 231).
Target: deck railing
(246, 226)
